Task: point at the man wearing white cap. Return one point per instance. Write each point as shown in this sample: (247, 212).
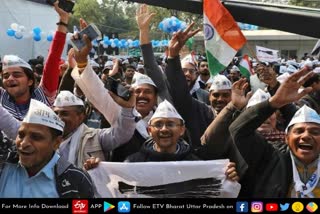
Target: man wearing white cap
(234, 74)
(165, 140)
(81, 142)
(40, 172)
(190, 71)
(290, 171)
(145, 91)
(166, 128)
(18, 78)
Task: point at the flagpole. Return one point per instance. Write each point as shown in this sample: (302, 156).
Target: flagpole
(252, 53)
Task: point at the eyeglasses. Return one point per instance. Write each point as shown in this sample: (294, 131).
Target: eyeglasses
(191, 70)
(169, 125)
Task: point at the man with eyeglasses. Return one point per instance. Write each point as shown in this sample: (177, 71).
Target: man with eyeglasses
(190, 71)
(166, 128)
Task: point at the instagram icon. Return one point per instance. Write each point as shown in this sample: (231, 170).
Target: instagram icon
(256, 207)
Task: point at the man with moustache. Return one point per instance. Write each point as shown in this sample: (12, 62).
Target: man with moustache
(40, 171)
(144, 89)
(204, 78)
(190, 71)
(292, 171)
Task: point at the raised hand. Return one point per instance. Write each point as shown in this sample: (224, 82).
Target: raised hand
(290, 90)
(71, 61)
(179, 39)
(123, 103)
(63, 15)
(81, 56)
(238, 96)
(115, 68)
(143, 17)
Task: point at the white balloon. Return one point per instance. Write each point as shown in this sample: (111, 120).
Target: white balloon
(21, 28)
(14, 26)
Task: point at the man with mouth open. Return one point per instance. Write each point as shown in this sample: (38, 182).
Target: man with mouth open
(40, 172)
(19, 81)
(294, 169)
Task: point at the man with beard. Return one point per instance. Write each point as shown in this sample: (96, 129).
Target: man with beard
(204, 78)
(190, 72)
(128, 74)
(19, 81)
(267, 75)
(234, 74)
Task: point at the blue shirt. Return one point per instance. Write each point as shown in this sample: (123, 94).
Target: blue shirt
(16, 183)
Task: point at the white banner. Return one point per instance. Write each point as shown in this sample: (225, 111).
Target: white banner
(184, 179)
(266, 54)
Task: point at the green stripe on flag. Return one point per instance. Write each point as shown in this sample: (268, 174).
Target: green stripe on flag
(215, 66)
(244, 72)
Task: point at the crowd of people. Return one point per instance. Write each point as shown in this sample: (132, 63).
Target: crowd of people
(58, 120)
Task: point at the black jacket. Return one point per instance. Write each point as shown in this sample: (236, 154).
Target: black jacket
(148, 154)
(270, 167)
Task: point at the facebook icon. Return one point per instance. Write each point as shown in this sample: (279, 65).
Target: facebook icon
(242, 207)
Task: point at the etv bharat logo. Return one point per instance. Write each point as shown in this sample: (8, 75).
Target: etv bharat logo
(79, 206)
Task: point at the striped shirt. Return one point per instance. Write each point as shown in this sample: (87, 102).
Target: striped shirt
(20, 110)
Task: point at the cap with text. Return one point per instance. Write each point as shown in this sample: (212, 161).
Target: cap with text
(40, 113)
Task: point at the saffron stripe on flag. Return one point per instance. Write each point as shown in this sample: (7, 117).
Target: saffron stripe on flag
(224, 23)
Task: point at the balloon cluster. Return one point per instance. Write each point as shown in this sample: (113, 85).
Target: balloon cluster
(171, 25)
(19, 31)
(244, 26)
(129, 43)
(16, 31)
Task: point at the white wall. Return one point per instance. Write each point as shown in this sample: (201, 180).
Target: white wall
(30, 15)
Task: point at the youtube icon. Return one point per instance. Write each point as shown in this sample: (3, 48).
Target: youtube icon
(272, 207)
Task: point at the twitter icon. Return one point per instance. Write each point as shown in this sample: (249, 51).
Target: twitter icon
(284, 207)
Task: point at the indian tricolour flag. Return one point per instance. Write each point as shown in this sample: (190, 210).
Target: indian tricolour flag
(223, 37)
(245, 67)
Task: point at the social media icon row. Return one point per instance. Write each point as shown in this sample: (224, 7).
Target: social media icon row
(257, 207)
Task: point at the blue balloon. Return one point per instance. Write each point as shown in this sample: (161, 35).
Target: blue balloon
(49, 38)
(36, 30)
(18, 35)
(116, 41)
(123, 41)
(36, 37)
(10, 32)
(160, 26)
